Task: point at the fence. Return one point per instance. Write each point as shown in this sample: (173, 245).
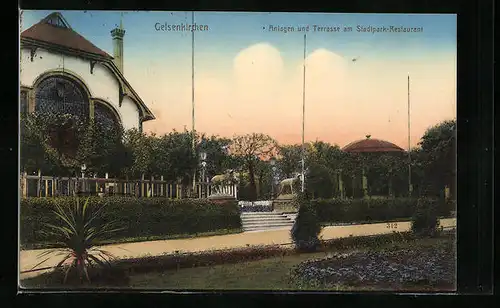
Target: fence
(51, 186)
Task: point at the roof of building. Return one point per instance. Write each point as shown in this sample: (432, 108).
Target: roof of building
(54, 29)
(55, 32)
(370, 145)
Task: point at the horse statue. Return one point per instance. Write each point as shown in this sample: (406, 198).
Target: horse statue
(221, 182)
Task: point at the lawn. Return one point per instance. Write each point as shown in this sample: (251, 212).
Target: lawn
(394, 262)
(275, 273)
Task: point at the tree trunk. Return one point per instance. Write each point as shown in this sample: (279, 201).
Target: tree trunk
(260, 186)
(253, 187)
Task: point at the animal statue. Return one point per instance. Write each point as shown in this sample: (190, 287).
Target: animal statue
(287, 185)
(221, 181)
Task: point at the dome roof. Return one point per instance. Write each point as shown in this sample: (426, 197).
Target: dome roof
(369, 145)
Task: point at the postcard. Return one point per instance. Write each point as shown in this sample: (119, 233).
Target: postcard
(237, 151)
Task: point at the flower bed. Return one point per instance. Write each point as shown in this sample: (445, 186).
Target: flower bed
(256, 206)
(393, 268)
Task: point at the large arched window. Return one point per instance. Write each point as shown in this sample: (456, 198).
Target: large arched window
(105, 117)
(60, 95)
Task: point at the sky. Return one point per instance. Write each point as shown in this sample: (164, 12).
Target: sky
(250, 78)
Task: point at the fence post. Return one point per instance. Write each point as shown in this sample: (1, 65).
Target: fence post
(24, 181)
(54, 186)
(341, 185)
(152, 187)
(39, 184)
(142, 185)
(161, 186)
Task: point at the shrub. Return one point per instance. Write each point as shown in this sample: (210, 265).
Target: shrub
(425, 220)
(139, 217)
(77, 228)
(306, 228)
(374, 209)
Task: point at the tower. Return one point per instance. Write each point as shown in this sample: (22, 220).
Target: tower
(117, 34)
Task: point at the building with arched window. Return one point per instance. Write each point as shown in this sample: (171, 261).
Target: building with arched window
(63, 73)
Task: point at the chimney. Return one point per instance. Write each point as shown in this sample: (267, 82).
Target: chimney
(117, 34)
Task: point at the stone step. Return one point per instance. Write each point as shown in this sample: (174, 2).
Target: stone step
(264, 218)
(264, 228)
(267, 223)
(262, 221)
(261, 214)
(249, 214)
(267, 228)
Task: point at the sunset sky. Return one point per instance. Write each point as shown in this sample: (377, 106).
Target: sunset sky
(249, 79)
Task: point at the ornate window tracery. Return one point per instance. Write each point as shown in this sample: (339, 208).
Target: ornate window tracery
(105, 117)
(59, 95)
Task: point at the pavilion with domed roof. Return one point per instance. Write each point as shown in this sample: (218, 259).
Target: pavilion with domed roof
(374, 147)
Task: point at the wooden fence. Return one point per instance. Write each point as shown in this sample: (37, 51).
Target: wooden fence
(51, 186)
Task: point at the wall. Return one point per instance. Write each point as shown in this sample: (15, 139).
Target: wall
(101, 84)
(129, 112)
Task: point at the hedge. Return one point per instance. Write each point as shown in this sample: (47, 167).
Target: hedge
(140, 217)
(376, 209)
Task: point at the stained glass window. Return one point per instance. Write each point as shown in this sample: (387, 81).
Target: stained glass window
(58, 95)
(23, 101)
(104, 117)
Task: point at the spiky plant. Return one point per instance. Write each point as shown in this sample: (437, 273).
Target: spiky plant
(77, 231)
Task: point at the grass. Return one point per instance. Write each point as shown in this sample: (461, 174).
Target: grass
(143, 238)
(267, 274)
(251, 268)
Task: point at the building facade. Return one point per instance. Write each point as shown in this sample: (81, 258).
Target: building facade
(62, 72)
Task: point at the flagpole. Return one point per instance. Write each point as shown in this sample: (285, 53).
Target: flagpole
(303, 116)
(410, 188)
(192, 98)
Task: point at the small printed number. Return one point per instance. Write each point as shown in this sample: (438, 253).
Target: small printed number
(392, 225)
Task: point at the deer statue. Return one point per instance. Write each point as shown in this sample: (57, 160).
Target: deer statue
(287, 185)
(221, 181)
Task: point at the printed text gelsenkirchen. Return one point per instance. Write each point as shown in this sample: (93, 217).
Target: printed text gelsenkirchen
(180, 27)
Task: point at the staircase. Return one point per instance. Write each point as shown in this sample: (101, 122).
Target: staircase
(262, 221)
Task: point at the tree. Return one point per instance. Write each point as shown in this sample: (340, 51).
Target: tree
(319, 181)
(32, 147)
(325, 161)
(100, 149)
(218, 158)
(139, 149)
(385, 171)
(50, 142)
(289, 159)
(250, 149)
(173, 156)
(439, 154)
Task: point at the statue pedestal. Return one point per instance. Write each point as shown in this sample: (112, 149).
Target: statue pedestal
(221, 198)
(285, 204)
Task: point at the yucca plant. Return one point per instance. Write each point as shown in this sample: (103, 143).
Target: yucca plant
(79, 227)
